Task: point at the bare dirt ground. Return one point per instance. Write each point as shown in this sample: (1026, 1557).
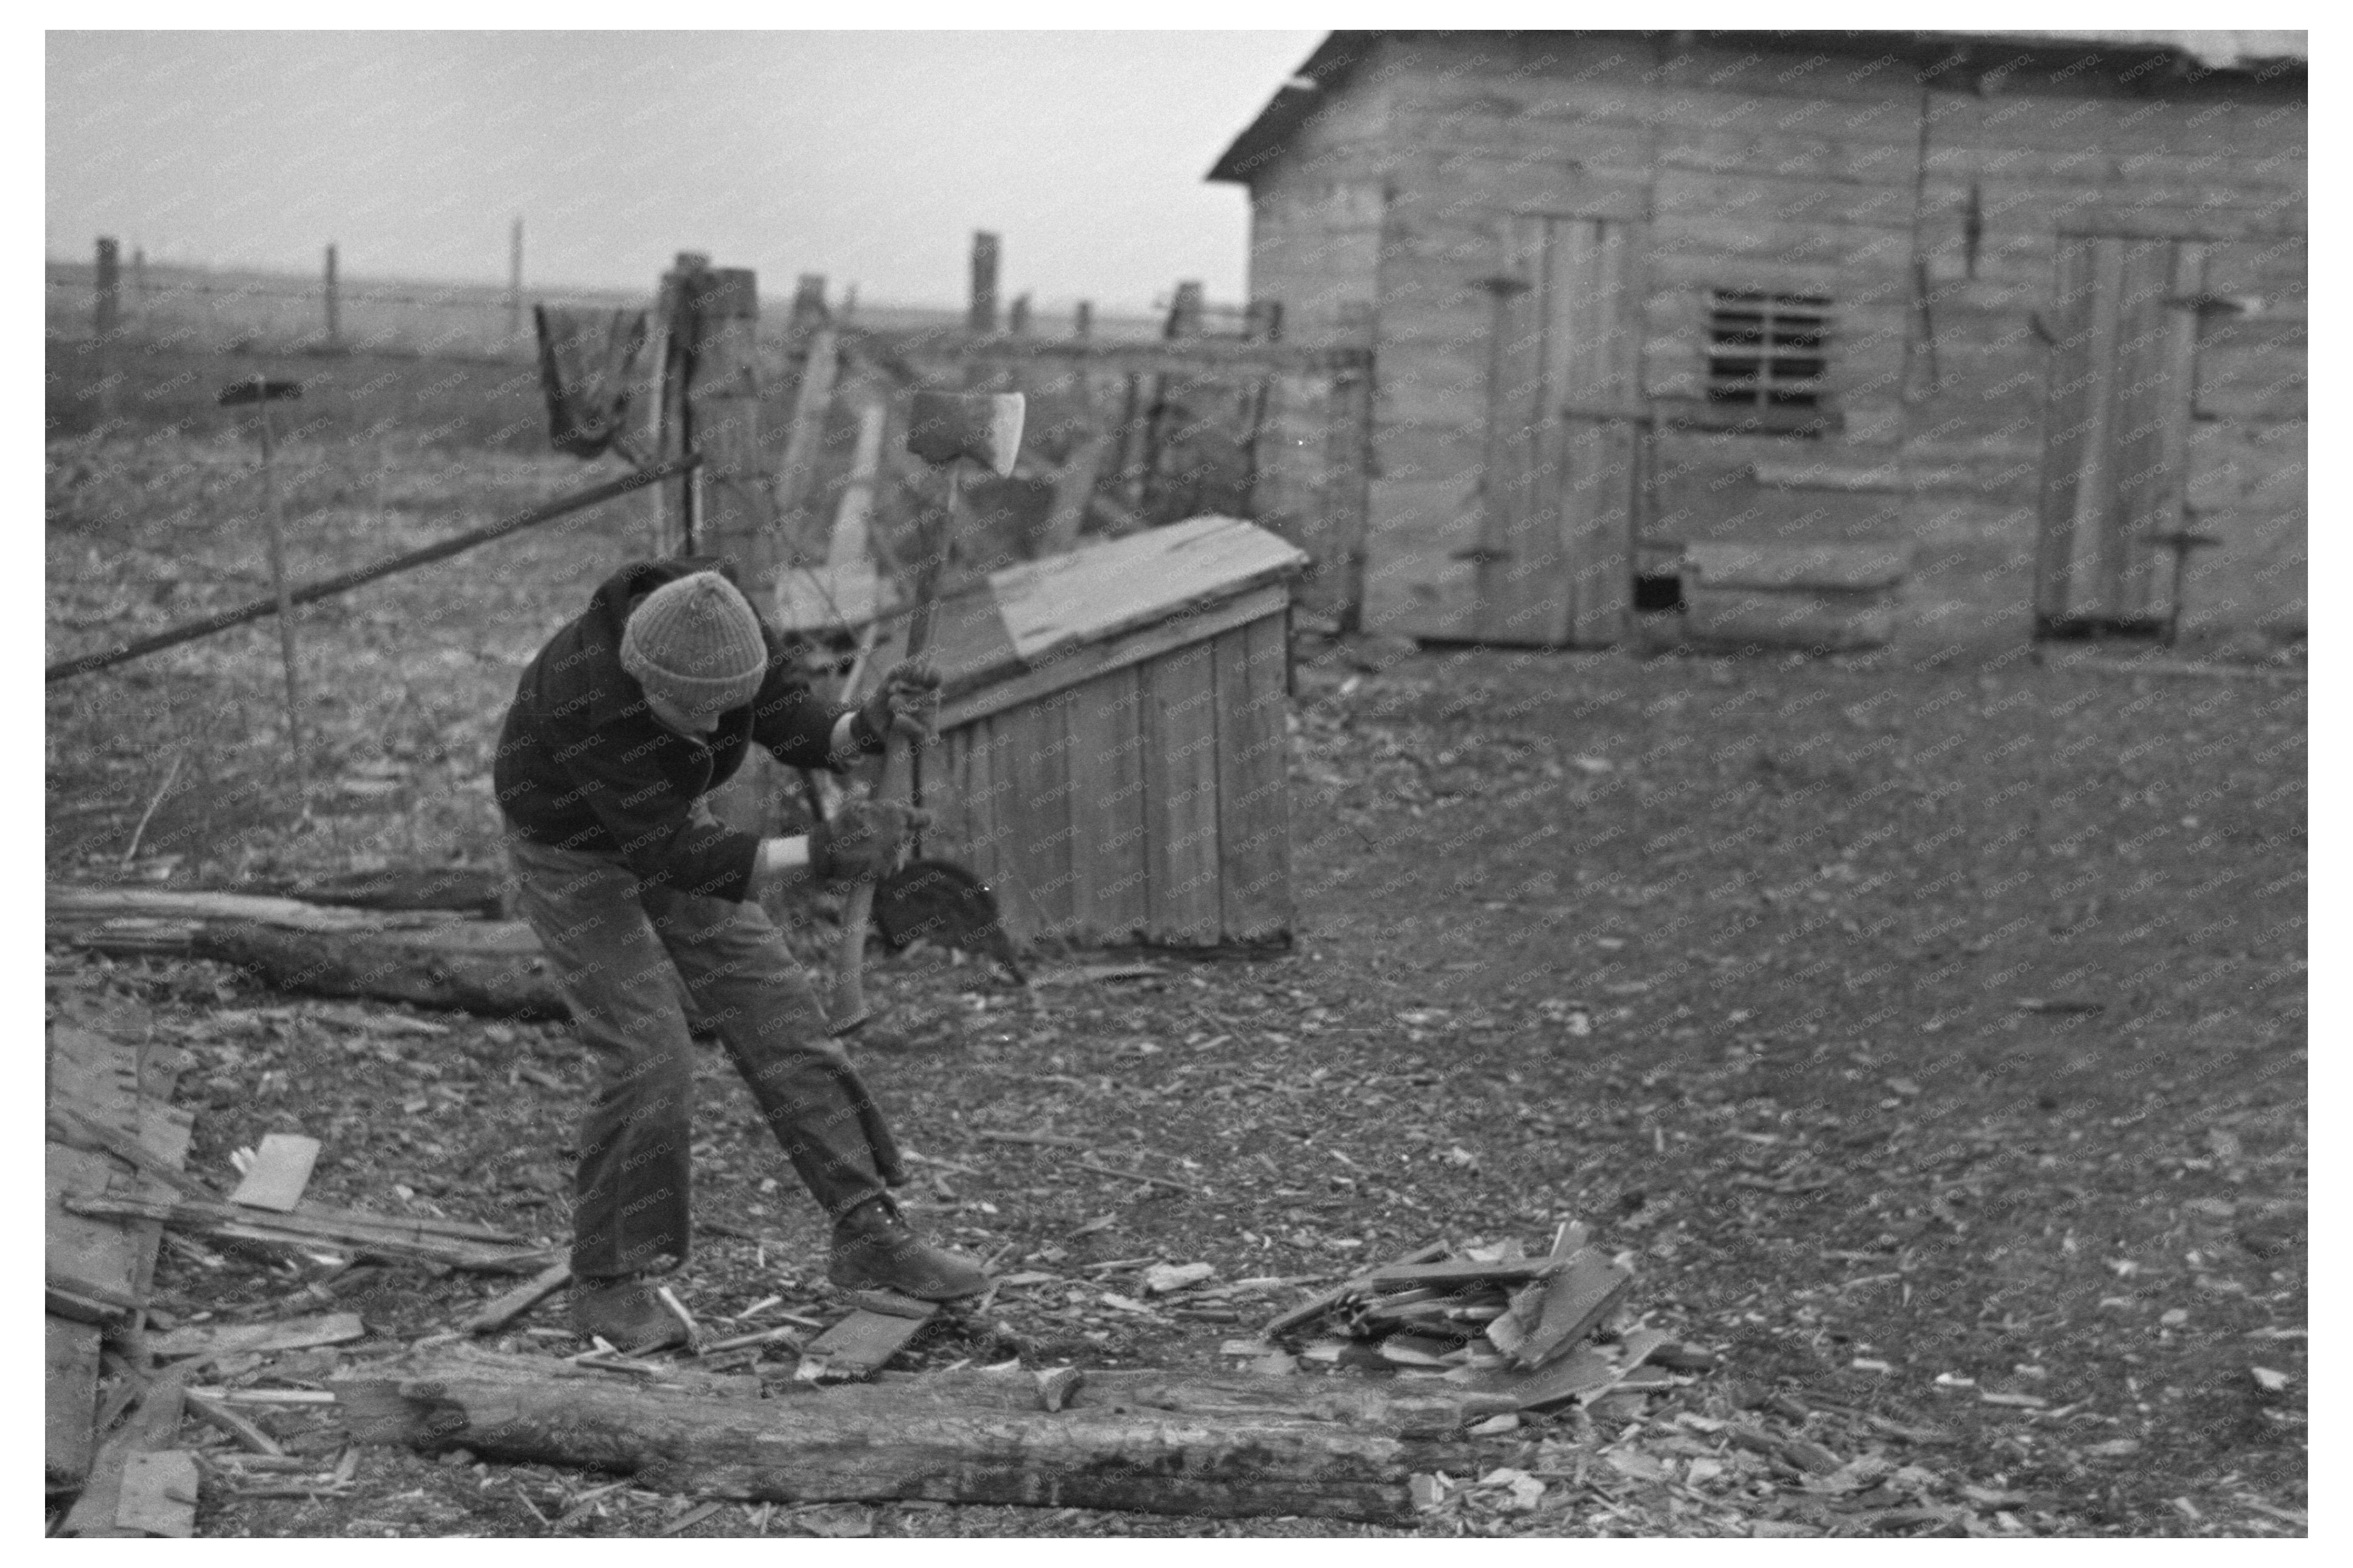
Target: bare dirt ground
(1930, 1032)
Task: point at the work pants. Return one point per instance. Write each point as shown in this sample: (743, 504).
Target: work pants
(620, 951)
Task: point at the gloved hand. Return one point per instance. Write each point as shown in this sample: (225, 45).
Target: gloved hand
(864, 840)
(906, 700)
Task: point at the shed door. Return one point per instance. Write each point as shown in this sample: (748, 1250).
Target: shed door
(1556, 550)
(2116, 434)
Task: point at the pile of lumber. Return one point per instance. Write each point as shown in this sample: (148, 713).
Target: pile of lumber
(1494, 1319)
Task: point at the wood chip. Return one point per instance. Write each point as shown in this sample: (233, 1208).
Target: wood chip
(280, 1171)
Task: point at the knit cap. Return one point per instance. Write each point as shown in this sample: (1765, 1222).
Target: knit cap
(696, 643)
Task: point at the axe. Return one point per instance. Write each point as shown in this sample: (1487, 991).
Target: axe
(943, 428)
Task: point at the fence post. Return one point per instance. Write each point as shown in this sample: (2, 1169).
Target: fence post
(1017, 319)
(980, 319)
(334, 302)
(106, 313)
(1184, 312)
(1082, 319)
(515, 284)
(721, 308)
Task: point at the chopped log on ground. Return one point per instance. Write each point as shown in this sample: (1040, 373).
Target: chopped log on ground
(469, 889)
(311, 1227)
(494, 968)
(430, 958)
(1219, 1455)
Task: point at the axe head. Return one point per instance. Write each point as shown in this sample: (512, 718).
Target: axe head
(983, 425)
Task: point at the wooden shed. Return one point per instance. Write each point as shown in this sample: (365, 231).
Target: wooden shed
(1115, 742)
(2032, 301)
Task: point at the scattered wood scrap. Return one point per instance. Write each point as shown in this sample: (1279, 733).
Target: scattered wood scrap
(313, 1227)
(281, 1170)
(861, 1344)
(233, 1339)
(158, 1495)
(505, 1309)
(1496, 1320)
(1158, 1443)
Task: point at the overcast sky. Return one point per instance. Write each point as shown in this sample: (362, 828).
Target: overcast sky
(870, 157)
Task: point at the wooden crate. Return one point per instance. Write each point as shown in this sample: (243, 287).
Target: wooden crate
(1114, 751)
(1811, 595)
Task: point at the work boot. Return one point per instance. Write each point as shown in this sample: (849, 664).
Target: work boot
(624, 1313)
(873, 1250)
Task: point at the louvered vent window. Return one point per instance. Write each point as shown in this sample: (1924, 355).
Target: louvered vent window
(1766, 351)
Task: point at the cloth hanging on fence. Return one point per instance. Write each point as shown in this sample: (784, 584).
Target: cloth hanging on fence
(587, 369)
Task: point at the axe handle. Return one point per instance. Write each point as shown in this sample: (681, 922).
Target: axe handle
(896, 783)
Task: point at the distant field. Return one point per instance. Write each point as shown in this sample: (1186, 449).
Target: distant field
(195, 307)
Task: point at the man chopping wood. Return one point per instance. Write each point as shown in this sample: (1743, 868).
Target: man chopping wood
(630, 716)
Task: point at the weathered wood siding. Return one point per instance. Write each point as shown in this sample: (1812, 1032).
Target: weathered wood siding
(1148, 804)
(1922, 196)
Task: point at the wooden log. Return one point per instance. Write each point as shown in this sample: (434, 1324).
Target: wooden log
(492, 968)
(864, 1443)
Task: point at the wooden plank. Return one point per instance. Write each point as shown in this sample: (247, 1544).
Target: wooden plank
(69, 1395)
(281, 1170)
(1252, 667)
(1585, 1370)
(1085, 663)
(1596, 477)
(1100, 592)
(505, 1308)
(1107, 809)
(804, 438)
(1180, 790)
(1309, 1310)
(158, 1494)
(861, 1344)
(1035, 750)
(85, 1256)
(1465, 1271)
(1582, 1294)
(2154, 407)
(234, 1339)
(153, 1423)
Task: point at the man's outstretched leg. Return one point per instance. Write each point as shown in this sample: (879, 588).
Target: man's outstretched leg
(747, 986)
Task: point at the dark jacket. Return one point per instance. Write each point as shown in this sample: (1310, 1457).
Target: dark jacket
(583, 765)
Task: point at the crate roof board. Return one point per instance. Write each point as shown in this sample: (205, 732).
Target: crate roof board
(1340, 52)
(1028, 616)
